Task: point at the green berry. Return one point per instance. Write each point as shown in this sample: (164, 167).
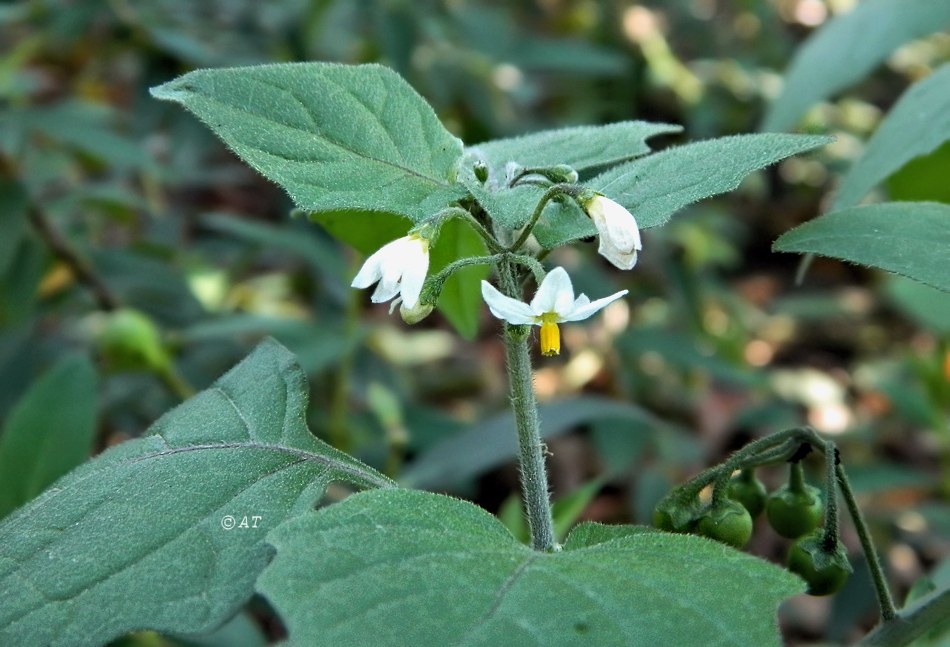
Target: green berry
(130, 340)
(824, 570)
(749, 491)
(795, 509)
(728, 522)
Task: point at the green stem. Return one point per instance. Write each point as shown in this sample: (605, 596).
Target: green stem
(884, 599)
(534, 476)
(829, 538)
(466, 215)
(910, 623)
(175, 382)
(550, 194)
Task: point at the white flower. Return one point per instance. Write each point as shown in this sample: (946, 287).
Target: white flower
(552, 304)
(619, 234)
(400, 267)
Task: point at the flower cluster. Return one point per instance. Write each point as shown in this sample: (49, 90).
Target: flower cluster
(400, 268)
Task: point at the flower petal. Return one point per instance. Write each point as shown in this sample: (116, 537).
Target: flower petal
(583, 311)
(555, 294)
(503, 307)
(618, 230)
(416, 265)
(618, 258)
(370, 272)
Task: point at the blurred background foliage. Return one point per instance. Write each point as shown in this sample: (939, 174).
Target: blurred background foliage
(139, 260)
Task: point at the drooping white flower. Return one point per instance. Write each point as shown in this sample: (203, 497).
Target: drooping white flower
(552, 304)
(400, 268)
(619, 234)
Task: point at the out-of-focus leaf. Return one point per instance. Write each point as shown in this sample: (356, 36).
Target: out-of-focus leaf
(404, 567)
(847, 48)
(492, 442)
(333, 136)
(13, 222)
(49, 432)
(882, 477)
(166, 532)
(923, 179)
(908, 238)
(567, 56)
(917, 124)
(90, 128)
(22, 280)
(927, 306)
(316, 347)
(681, 351)
(321, 255)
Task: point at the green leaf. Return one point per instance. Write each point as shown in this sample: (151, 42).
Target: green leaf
(322, 255)
(849, 47)
(404, 567)
(363, 231)
(136, 538)
(923, 179)
(580, 147)
(13, 224)
(509, 207)
(461, 299)
(657, 186)
(49, 432)
(917, 125)
(924, 305)
(562, 222)
(908, 238)
(492, 442)
(334, 136)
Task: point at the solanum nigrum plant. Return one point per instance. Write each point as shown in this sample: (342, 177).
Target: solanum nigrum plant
(177, 530)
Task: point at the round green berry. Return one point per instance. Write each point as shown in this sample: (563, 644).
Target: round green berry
(728, 522)
(824, 569)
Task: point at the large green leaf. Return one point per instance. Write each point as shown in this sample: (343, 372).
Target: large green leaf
(580, 147)
(918, 124)
(149, 535)
(908, 238)
(50, 431)
(657, 186)
(847, 48)
(404, 567)
(334, 136)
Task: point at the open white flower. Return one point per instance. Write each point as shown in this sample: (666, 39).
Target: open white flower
(619, 234)
(400, 268)
(552, 304)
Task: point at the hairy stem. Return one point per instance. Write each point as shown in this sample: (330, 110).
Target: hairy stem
(884, 599)
(534, 476)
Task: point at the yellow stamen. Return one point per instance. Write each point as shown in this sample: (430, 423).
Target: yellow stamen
(550, 338)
